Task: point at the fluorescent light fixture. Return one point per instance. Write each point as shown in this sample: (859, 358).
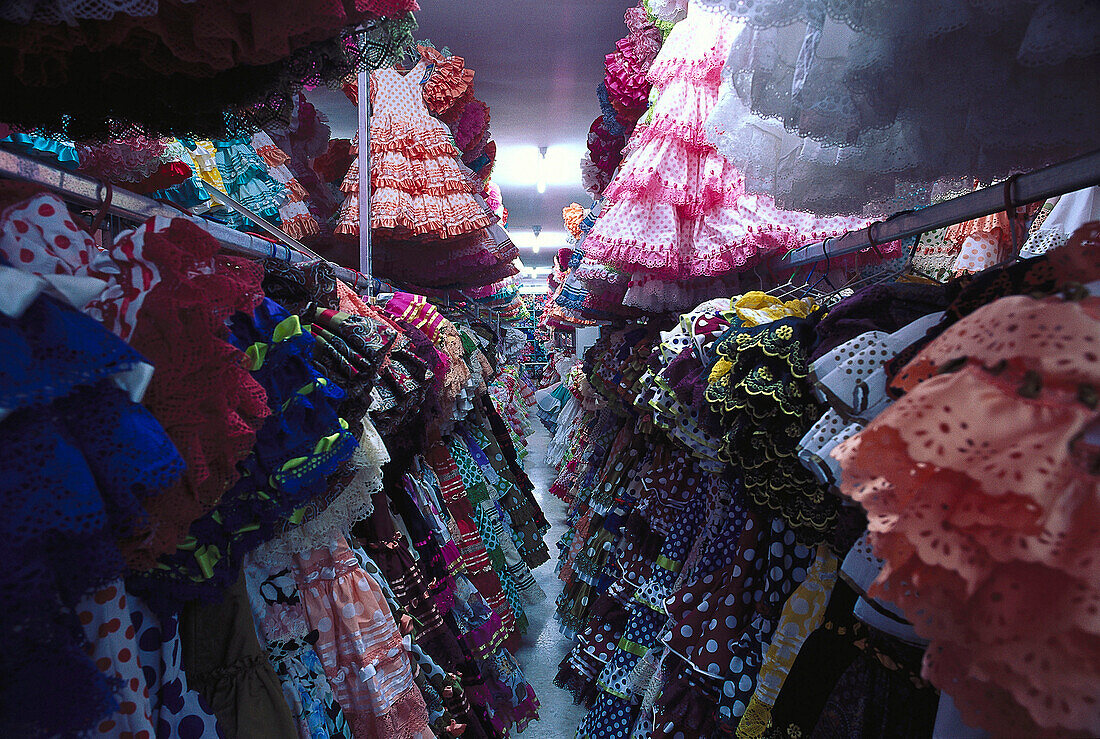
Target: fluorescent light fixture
(524, 238)
(521, 166)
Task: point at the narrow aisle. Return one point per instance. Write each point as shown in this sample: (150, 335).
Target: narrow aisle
(544, 646)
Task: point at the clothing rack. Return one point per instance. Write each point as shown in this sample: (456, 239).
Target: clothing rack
(1018, 190)
(88, 192)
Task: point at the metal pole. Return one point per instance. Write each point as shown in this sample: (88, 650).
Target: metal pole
(85, 191)
(1057, 179)
(365, 255)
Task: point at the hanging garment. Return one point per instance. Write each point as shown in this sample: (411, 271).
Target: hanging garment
(679, 212)
(418, 186)
(870, 80)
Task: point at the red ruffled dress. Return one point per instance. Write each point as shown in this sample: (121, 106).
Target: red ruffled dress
(418, 186)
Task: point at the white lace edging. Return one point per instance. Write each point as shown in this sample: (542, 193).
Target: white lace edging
(354, 503)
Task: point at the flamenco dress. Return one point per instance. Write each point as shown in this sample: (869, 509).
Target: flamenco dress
(191, 192)
(1059, 218)
(300, 444)
(475, 559)
(468, 616)
(359, 645)
(678, 211)
(723, 623)
(869, 80)
(498, 543)
(281, 624)
(238, 67)
(675, 516)
(143, 654)
(246, 178)
(294, 212)
(468, 702)
(985, 534)
(418, 187)
(228, 666)
(181, 327)
(95, 460)
(445, 236)
(410, 580)
(759, 388)
(513, 493)
(625, 78)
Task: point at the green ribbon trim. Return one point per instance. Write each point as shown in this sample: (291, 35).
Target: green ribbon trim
(632, 647)
(323, 446)
(669, 564)
(257, 353)
(297, 517)
(288, 328)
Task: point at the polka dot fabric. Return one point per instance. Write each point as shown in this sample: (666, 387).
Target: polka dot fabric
(610, 718)
(281, 625)
(106, 620)
(724, 622)
(679, 209)
(41, 237)
(846, 358)
(359, 645)
(670, 561)
(821, 433)
(418, 185)
(802, 614)
(1056, 221)
(142, 656)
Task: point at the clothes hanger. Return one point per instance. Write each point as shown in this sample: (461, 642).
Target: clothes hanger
(783, 290)
(811, 290)
(408, 57)
(881, 277)
(1013, 215)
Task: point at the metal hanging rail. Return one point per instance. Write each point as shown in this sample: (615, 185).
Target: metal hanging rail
(228, 201)
(89, 192)
(1057, 179)
(366, 256)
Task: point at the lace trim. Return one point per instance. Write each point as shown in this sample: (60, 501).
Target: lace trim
(690, 201)
(355, 503)
(668, 67)
(299, 226)
(692, 137)
(660, 262)
(427, 214)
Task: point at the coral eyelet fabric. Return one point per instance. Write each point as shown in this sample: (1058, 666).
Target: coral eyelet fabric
(984, 503)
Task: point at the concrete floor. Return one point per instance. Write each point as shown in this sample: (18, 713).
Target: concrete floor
(544, 646)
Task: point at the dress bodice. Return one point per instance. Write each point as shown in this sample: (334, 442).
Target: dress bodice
(399, 95)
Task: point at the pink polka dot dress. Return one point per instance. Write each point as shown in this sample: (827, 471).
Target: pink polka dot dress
(678, 209)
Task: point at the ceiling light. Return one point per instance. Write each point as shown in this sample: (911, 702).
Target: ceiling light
(527, 166)
(525, 238)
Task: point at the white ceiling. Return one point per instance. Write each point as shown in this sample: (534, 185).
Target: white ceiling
(537, 65)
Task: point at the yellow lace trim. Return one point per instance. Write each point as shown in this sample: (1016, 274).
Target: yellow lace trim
(757, 719)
